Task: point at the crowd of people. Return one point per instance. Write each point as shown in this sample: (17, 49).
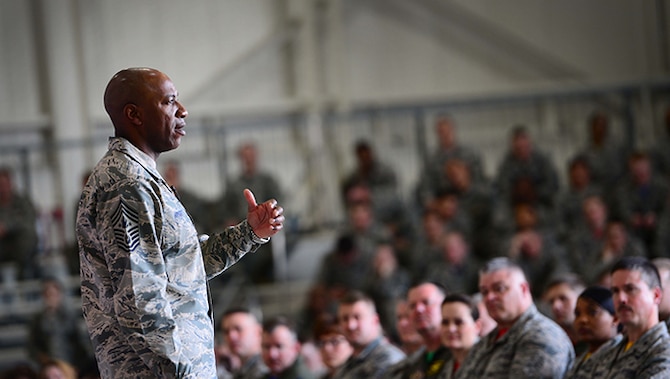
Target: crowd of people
(591, 332)
(472, 276)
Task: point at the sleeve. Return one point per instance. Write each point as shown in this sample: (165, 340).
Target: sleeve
(224, 249)
(541, 354)
(657, 364)
(134, 218)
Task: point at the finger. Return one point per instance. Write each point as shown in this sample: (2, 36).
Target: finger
(279, 219)
(278, 211)
(272, 203)
(251, 199)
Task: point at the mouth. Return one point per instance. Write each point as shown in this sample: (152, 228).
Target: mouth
(180, 129)
(624, 309)
(584, 331)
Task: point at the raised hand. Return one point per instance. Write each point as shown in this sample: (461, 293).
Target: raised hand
(265, 219)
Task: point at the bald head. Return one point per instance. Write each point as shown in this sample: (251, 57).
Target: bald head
(129, 86)
(142, 104)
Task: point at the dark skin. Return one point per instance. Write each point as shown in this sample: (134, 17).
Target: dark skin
(144, 108)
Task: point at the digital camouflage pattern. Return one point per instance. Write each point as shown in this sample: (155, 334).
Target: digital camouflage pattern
(584, 364)
(648, 358)
(144, 271)
(372, 362)
(534, 347)
(251, 369)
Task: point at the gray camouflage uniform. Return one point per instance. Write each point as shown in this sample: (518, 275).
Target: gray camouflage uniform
(534, 347)
(649, 357)
(144, 271)
(583, 367)
(252, 369)
(372, 362)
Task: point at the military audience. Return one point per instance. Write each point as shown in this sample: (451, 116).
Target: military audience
(504, 277)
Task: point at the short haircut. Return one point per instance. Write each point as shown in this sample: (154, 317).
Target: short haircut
(440, 287)
(463, 299)
(52, 280)
(570, 279)
(355, 296)
(275, 322)
(648, 271)
(499, 264)
(242, 309)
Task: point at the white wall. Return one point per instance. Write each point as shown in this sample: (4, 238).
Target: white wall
(230, 58)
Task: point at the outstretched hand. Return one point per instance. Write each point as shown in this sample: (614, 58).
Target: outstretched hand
(265, 219)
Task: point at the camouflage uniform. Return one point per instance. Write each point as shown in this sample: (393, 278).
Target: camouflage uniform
(534, 347)
(607, 162)
(372, 362)
(252, 369)
(144, 271)
(432, 175)
(18, 243)
(583, 367)
(538, 167)
(383, 184)
(649, 357)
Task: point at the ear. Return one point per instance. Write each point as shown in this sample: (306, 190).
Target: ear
(478, 326)
(133, 113)
(658, 295)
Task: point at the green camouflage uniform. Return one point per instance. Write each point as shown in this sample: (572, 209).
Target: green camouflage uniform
(144, 271)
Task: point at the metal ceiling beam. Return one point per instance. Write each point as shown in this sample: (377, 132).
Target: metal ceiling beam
(479, 37)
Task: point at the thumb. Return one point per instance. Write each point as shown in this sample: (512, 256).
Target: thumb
(251, 199)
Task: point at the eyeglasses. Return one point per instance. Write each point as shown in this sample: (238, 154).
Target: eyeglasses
(334, 341)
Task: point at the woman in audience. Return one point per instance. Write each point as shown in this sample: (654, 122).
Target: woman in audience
(460, 330)
(596, 325)
(333, 345)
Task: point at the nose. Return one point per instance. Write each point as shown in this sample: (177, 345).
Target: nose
(181, 111)
(619, 298)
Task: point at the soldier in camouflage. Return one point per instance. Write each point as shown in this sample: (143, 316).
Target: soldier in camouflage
(373, 354)
(525, 344)
(644, 352)
(144, 270)
(242, 332)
